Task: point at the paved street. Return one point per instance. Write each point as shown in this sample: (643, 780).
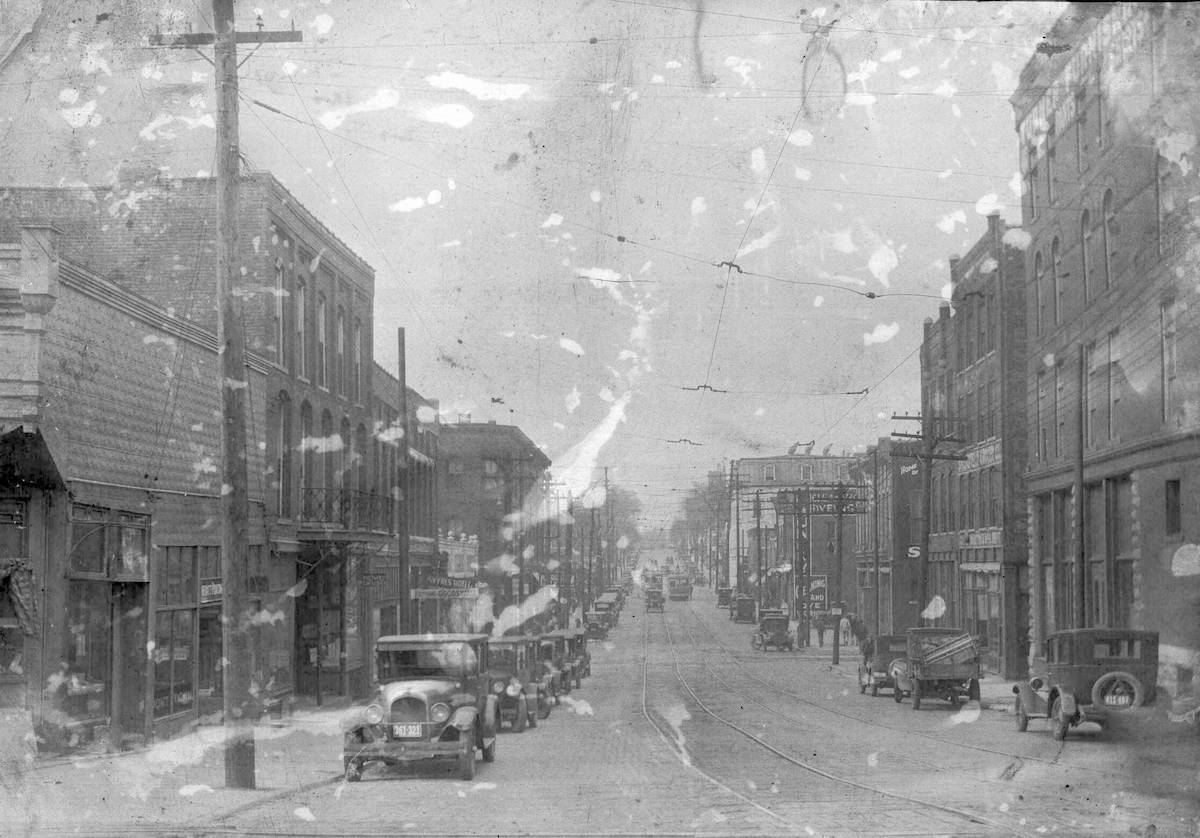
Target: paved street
(682, 729)
(685, 729)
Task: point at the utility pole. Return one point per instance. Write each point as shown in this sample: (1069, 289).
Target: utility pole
(836, 604)
(737, 511)
(405, 559)
(930, 440)
(607, 543)
(875, 533)
(568, 570)
(758, 559)
(240, 706)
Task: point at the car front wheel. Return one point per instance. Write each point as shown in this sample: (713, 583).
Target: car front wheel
(489, 751)
(1022, 716)
(466, 759)
(1059, 723)
(521, 718)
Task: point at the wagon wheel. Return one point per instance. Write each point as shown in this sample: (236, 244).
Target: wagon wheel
(916, 695)
(1058, 720)
(1127, 689)
(1021, 716)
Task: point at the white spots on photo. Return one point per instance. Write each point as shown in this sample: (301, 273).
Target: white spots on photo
(484, 91)
(909, 72)
(699, 205)
(802, 173)
(379, 101)
(552, 220)
(572, 400)
(800, 138)
(882, 333)
(948, 223)
(453, 115)
(988, 204)
(322, 24)
(761, 243)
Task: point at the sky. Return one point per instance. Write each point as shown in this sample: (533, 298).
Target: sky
(655, 235)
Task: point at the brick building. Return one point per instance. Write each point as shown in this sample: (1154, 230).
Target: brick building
(972, 380)
(1113, 387)
(768, 539)
(490, 480)
(131, 329)
(886, 564)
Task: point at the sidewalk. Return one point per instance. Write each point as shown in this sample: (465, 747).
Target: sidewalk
(174, 783)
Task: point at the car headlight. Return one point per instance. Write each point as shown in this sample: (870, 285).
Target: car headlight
(497, 687)
(513, 689)
(373, 714)
(439, 713)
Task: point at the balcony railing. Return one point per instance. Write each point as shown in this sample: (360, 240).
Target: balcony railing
(347, 508)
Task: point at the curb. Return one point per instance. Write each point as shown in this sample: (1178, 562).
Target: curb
(268, 797)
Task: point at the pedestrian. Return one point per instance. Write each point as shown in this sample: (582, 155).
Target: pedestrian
(819, 625)
(844, 628)
(859, 627)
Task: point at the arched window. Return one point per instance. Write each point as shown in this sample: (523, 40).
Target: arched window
(1039, 291)
(307, 465)
(1085, 244)
(326, 443)
(300, 326)
(322, 358)
(360, 458)
(277, 314)
(1056, 279)
(356, 387)
(283, 456)
(340, 348)
(345, 468)
(1107, 233)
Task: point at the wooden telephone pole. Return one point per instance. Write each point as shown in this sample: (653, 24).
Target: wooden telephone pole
(240, 705)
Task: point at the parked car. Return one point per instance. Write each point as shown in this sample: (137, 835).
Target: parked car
(744, 609)
(432, 702)
(519, 683)
(724, 595)
(679, 587)
(654, 601)
(567, 660)
(581, 658)
(608, 605)
(1090, 674)
(595, 626)
(552, 648)
(938, 663)
(773, 630)
(879, 652)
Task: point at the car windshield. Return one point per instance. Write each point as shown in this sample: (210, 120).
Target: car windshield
(447, 660)
(503, 657)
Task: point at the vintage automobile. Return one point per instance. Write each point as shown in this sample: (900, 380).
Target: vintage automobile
(519, 683)
(553, 652)
(581, 658)
(724, 595)
(654, 601)
(874, 672)
(609, 605)
(618, 592)
(432, 702)
(744, 609)
(568, 661)
(773, 630)
(937, 663)
(1090, 674)
(595, 626)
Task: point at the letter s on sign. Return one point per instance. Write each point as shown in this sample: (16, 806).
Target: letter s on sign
(914, 552)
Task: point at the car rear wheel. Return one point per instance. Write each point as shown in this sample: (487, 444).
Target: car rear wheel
(1021, 716)
(1118, 691)
(916, 695)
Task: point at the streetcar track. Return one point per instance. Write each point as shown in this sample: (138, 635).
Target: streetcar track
(867, 721)
(676, 750)
(950, 810)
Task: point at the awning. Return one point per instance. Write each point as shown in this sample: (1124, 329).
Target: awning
(20, 590)
(25, 461)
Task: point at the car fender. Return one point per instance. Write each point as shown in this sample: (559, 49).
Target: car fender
(1070, 707)
(464, 718)
(491, 713)
(1031, 700)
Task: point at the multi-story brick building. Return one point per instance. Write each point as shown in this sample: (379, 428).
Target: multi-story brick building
(1112, 380)
(118, 377)
(887, 537)
(972, 380)
(490, 479)
(763, 530)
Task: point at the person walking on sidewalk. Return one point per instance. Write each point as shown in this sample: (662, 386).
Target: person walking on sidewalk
(819, 625)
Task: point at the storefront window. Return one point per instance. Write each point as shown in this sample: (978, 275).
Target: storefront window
(173, 662)
(109, 543)
(87, 529)
(88, 654)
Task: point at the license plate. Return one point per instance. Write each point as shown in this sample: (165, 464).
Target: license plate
(1117, 700)
(407, 731)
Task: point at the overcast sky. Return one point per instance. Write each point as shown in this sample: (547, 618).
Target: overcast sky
(584, 211)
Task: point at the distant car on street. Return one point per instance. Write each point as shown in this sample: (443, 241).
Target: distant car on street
(433, 702)
(520, 685)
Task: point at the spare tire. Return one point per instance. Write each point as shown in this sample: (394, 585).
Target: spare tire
(1118, 691)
